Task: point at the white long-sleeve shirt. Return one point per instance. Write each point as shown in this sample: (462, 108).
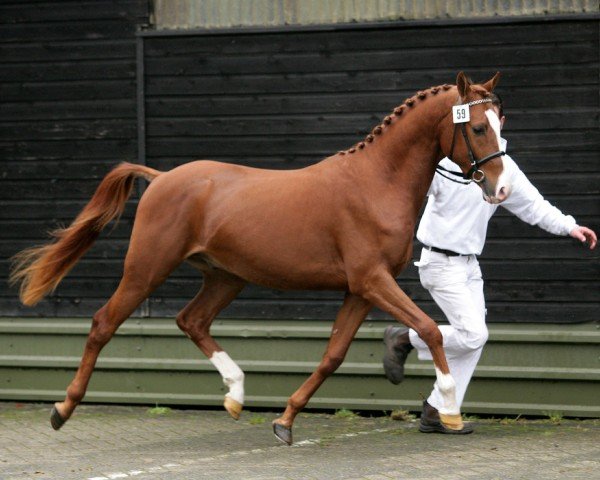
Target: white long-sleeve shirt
(456, 216)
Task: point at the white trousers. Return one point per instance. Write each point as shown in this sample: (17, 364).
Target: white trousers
(456, 285)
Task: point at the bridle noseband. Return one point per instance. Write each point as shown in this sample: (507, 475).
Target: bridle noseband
(475, 174)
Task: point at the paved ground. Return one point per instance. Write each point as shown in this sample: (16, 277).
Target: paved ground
(107, 442)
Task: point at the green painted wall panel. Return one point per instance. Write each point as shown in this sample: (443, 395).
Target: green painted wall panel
(272, 390)
(529, 369)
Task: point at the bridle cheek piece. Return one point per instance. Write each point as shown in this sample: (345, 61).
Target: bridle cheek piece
(475, 174)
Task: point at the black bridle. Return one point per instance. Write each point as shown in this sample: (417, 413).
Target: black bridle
(475, 169)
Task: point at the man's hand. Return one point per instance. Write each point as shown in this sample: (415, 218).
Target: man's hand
(584, 234)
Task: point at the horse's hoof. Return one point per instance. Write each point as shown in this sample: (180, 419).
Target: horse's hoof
(233, 407)
(55, 419)
(282, 433)
(453, 422)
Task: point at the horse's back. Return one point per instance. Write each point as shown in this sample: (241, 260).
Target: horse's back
(263, 225)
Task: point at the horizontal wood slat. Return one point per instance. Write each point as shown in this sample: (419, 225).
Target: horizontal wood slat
(373, 38)
(304, 309)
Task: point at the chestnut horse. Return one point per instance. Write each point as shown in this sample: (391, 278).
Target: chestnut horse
(345, 223)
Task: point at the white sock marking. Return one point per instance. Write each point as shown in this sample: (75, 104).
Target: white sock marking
(447, 387)
(232, 375)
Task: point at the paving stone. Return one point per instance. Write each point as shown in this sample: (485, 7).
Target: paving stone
(114, 442)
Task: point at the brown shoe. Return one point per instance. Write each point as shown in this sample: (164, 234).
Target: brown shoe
(431, 423)
(397, 348)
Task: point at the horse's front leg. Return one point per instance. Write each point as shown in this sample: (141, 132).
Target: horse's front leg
(348, 320)
(380, 288)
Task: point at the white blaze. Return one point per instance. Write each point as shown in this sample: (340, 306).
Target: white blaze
(494, 123)
(502, 182)
(232, 375)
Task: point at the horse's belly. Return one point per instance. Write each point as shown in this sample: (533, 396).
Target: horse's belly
(282, 272)
(297, 281)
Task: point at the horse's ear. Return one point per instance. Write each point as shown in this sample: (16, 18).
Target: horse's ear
(491, 84)
(463, 83)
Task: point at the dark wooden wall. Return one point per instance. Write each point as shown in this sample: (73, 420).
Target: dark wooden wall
(68, 114)
(285, 100)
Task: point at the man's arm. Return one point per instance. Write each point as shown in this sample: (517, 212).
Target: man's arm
(526, 202)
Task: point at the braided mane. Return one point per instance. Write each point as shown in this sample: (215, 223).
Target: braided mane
(397, 112)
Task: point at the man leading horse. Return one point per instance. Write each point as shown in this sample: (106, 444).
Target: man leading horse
(453, 230)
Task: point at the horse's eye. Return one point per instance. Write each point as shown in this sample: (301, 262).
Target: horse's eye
(479, 129)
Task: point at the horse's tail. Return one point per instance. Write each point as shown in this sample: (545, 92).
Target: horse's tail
(40, 269)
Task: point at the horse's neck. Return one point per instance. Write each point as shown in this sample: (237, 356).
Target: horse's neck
(405, 154)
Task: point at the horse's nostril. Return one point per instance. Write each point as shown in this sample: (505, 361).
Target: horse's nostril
(502, 193)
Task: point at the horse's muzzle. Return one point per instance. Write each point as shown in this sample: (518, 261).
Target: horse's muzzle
(500, 193)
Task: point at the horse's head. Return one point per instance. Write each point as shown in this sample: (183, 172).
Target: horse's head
(471, 138)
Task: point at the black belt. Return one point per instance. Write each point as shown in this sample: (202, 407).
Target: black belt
(449, 253)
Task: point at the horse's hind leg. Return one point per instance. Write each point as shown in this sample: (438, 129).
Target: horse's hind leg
(219, 289)
(348, 320)
(146, 266)
(104, 325)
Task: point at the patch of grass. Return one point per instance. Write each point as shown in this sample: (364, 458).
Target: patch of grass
(469, 418)
(346, 414)
(402, 415)
(404, 431)
(554, 417)
(159, 410)
(510, 420)
(326, 441)
(256, 420)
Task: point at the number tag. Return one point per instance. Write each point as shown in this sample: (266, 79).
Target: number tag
(460, 114)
